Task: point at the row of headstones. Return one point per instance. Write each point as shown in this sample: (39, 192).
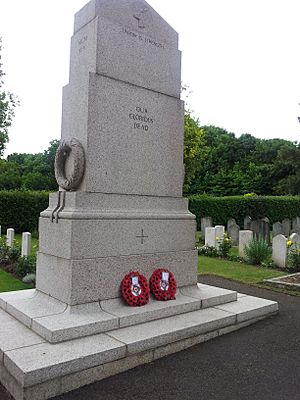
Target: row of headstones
(215, 235)
(260, 228)
(26, 241)
(233, 229)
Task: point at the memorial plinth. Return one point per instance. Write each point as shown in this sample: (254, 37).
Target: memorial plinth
(119, 208)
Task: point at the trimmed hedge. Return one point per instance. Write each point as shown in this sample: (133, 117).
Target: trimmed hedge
(21, 209)
(221, 209)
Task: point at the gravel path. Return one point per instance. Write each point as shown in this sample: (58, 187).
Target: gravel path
(260, 362)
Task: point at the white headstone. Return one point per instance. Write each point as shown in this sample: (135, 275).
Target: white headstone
(26, 241)
(210, 237)
(279, 251)
(206, 222)
(220, 232)
(295, 238)
(10, 235)
(245, 237)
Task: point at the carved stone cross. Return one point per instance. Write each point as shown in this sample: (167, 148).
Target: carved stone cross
(142, 237)
(141, 16)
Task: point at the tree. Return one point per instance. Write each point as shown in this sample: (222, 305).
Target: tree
(10, 176)
(228, 165)
(8, 103)
(36, 171)
(193, 144)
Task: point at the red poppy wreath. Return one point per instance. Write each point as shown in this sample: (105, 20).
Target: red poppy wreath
(135, 289)
(163, 284)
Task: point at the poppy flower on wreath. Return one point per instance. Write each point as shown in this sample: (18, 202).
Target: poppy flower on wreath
(163, 284)
(135, 289)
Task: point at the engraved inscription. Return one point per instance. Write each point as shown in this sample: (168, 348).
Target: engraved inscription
(82, 43)
(143, 38)
(141, 119)
(141, 17)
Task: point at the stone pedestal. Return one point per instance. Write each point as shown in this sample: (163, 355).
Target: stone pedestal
(100, 237)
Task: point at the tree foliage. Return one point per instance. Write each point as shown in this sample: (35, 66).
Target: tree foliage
(217, 163)
(8, 103)
(192, 149)
(228, 165)
(29, 171)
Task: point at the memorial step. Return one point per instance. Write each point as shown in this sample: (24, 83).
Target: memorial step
(57, 322)
(33, 368)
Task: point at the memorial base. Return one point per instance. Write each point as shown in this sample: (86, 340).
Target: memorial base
(33, 368)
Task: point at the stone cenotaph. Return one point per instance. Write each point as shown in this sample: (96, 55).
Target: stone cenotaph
(119, 208)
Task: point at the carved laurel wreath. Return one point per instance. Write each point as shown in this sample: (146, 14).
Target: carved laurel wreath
(65, 148)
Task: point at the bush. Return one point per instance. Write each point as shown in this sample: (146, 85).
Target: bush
(208, 251)
(14, 254)
(221, 209)
(225, 246)
(293, 263)
(257, 252)
(4, 250)
(26, 265)
(223, 250)
(9, 256)
(21, 209)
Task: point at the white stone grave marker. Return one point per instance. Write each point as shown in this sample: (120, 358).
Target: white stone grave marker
(220, 232)
(295, 238)
(26, 242)
(206, 222)
(279, 251)
(10, 235)
(245, 236)
(210, 237)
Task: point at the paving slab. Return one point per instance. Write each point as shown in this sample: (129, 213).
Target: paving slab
(14, 335)
(42, 362)
(210, 296)
(152, 311)
(158, 333)
(19, 294)
(249, 307)
(27, 306)
(74, 322)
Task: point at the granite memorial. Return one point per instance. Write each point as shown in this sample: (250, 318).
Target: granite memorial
(119, 208)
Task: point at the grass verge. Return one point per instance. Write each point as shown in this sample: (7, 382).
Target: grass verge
(9, 283)
(240, 272)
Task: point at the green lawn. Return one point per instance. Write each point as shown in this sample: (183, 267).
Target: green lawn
(240, 272)
(9, 283)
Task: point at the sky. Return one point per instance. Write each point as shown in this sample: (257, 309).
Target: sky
(240, 60)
